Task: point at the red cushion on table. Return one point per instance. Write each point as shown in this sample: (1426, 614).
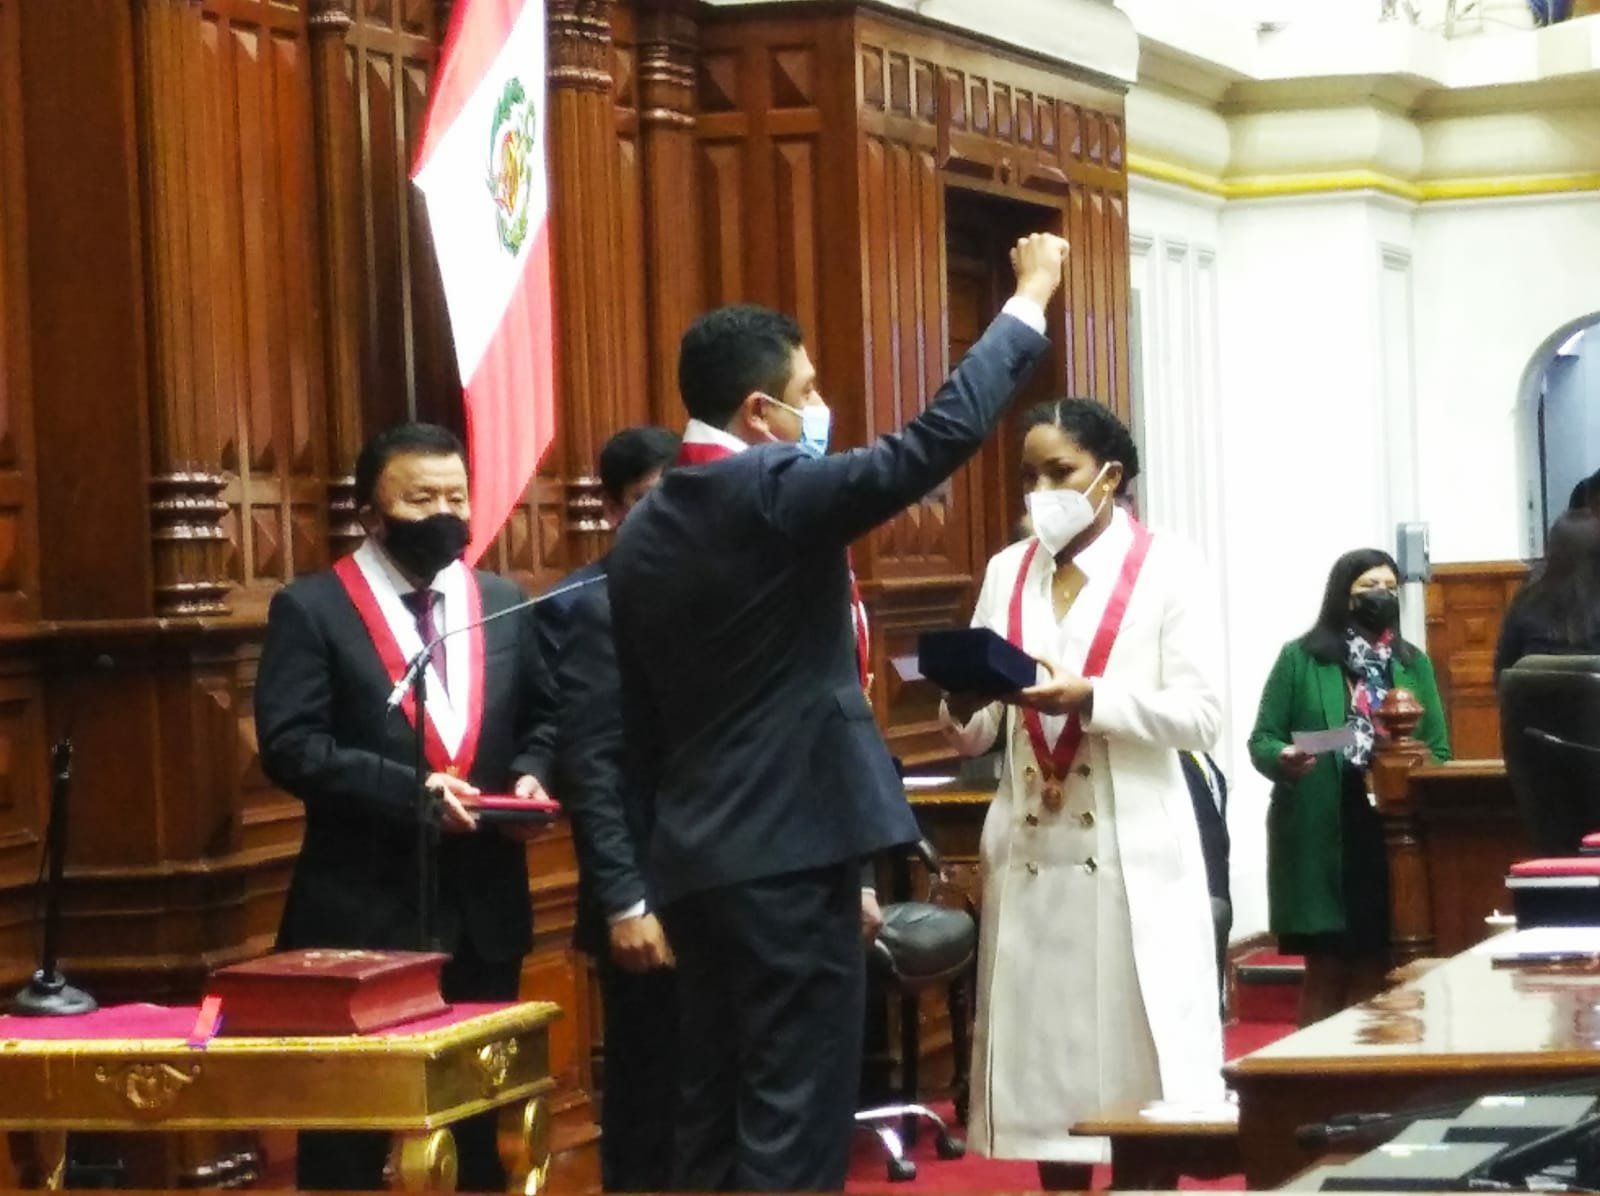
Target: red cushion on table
(1591, 840)
(1558, 866)
(175, 1022)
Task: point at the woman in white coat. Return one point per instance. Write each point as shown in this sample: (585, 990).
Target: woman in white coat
(1097, 979)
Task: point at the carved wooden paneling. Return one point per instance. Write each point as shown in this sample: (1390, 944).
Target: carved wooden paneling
(760, 151)
(962, 149)
(19, 572)
(389, 352)
(633, 404)
(237, 386)
(24, 783)
(1465, 605)
(667, 43)
(80, 211)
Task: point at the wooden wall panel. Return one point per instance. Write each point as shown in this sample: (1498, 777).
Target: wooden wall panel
(760, 147)
(19, 545)
(667, 45)
(1465, 604)
(388, 347)
(633, 400)
(85, 278)
(237, 386)
(963, 149)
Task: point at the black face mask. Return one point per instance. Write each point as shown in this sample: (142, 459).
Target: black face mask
(1375, 610)
(422, 547)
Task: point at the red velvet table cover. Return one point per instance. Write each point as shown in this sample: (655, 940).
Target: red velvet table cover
(155, 1022)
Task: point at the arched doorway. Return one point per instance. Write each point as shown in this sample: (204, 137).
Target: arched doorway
(1558, 423)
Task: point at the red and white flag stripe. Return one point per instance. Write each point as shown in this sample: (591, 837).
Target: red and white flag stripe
(481, 169)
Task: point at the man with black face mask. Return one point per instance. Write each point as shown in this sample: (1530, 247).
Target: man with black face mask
(336, 643)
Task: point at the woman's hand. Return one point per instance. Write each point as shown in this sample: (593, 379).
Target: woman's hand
(963, 706)
(1294, 763)
(1064, 693)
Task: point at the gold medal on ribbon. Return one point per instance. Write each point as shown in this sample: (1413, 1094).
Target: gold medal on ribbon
(1052, 797)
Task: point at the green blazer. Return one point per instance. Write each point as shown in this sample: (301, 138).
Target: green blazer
(1305, 890)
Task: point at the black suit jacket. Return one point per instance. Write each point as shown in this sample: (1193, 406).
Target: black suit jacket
(555, 613)
(730, 595)
(325, 738)
(610, 821)
(1211, 815)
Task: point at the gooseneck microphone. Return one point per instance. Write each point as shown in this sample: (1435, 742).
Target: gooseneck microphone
(419, 662)
(48, 994)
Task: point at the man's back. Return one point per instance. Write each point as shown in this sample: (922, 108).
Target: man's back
(766, 758)
(730, 593)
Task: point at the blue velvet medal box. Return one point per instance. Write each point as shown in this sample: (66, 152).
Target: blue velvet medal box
(974, 660)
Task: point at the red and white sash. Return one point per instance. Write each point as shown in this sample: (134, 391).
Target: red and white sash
(1054, 763)
(454, 715)
(702, 450)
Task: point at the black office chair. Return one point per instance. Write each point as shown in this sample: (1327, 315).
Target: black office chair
(923, 944)
(1550, 737)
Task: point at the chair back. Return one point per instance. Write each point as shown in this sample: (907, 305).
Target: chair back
(1550, 736)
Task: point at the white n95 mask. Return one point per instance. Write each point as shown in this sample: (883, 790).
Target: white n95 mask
(1060, 516)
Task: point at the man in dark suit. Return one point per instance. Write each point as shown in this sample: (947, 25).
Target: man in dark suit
(630, 465)
(336, 642)
(1208, 792)
(616, 925)
(744, 716)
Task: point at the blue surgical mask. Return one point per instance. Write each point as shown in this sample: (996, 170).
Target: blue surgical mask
(816, 421)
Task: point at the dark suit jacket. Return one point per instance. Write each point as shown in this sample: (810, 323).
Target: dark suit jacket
(555, 614)
(1212, 819)
(324, 737)
(730, 594)
(610, 822)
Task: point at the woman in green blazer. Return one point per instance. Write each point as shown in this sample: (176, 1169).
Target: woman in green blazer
(1327, 873)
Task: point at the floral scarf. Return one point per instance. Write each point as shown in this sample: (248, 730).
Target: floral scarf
(1371, 667)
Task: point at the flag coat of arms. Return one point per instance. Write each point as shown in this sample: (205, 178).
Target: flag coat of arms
(481, 169)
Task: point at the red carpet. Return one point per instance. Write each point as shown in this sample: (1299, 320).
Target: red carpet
(977, 1174)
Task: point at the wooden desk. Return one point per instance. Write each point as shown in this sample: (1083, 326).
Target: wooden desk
(1148, 1155)
(1462, 1030)
(1471, 831)
(415, 1081)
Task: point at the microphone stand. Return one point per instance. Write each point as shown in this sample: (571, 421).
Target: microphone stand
(48, 994)
(427, 808)
(427, 811)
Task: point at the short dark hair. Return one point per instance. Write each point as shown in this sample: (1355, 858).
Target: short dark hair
(634, 453)
(1326, 639)
(1095, 429)
(729, 352)
(423, 440)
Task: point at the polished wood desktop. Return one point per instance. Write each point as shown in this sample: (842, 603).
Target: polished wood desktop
(1463, 1029)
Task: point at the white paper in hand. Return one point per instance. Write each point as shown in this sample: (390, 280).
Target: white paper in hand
(1315, 743)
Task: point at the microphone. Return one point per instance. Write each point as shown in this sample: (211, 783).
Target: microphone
(420, 661)
(1320, 1134)
(1545, 737)
(48, 994)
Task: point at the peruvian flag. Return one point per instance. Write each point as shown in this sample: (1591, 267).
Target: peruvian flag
(481, 168)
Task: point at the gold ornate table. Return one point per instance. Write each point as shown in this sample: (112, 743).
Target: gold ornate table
(130, 1068)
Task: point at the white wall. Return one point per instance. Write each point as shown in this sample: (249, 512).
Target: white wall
(1187, 460)
(1495, 280)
